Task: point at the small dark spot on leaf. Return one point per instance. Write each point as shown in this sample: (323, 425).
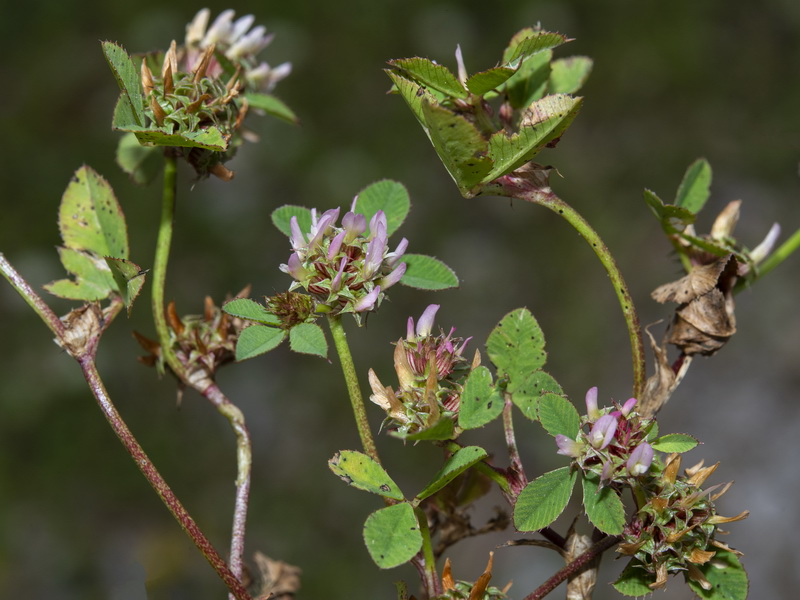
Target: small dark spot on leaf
(385, 487)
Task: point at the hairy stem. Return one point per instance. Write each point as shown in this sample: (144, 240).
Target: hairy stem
(532, 186)
(244, 460)
(353, 389)
(574, 567)
(155, 479)
(430, 579)
(163, 243)
(32, 298)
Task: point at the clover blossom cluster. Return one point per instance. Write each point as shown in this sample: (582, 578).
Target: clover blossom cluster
(430, 369)
(346, 269)
(611, 442)
(674, 531)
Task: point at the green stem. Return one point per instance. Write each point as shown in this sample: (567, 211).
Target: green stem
(779, 255)
(532, 187)
(163, 243)
(431, 579)
(353, 388)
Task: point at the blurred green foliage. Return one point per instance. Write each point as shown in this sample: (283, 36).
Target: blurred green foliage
(672, 81)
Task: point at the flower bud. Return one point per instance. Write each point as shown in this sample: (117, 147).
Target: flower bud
(591, 404)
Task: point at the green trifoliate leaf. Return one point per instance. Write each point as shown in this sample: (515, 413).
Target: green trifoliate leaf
(90, 218)
(392, 535)
(528, 42)
(389, 196)
(250, 310)
(530, 81)
(486, 81)
(569, 74)
(543, 499)
(727, 577)
(258, 339)
(141, 163)
(673, 218)
(430, 74)
(528, 393)
(462, 460)
(694, 188)
(558, 416)
(545, 120)
(93, 279)
(282, 217)
(272, 106)
(603, 506)
(362, 472)
(674, 442)
(130, 108)
(443, 429)
(210, 138)
(308, 338)
(128, 279)
(481, 403)
(634, 581)
(460, 146)
(427, 273)
(414, 94)
(516, 346)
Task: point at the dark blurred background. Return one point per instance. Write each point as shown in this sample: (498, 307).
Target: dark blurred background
(672, 82)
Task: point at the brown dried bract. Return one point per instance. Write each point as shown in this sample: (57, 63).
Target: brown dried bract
(279, 580)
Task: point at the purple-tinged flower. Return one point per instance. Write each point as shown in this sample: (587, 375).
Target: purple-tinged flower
(568, 446)
(591, 404)
(424, 324)
(336, 283)
(760, 252)
(393, 257)
(395, 276)
(295, 268)
(297, 238)
(354, 225)
(368, 302)
(628, 406)
(374, 258)
(603, 431)
(336, 245)
(377, 225)
(640, 460)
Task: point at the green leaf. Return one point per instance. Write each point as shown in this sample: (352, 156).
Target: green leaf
(131, 103)
(389, 196)
(674, 442)
(528, 42)
(569, 74)
(362, 472)
(258, 339)
(481, 403)
(603, 506)
(530, 81)
(210, 138)
(486, 81)
(282, 217)
(727, 577)
(443, 429)
(93, 279)
(695, 186)
(459, 462)
(558, 416)
(251, 310)
(516, 346)
(272, 106)
(673, 218)
(430, 74)
(460, 146)
(129, 279)
(634, 581)
(308, 338)
(544, 121)
(392, 535)
(90, 218)
(427, 273)
(414, 94)
(543, 499)
(141, 163)
(528, 393)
